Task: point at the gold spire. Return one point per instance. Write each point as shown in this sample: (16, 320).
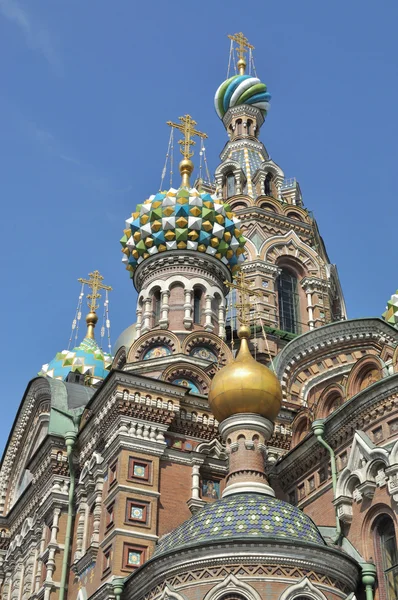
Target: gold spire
(245, 292)
(241, 50)
(95, 284)
(187, 127)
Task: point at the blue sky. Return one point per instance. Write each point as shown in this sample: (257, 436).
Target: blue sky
(86, 89)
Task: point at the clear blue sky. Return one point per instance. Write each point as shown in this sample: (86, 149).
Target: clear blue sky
(86, 89)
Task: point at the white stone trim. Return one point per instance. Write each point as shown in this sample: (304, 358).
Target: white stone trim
(232, 585)
(305, 587)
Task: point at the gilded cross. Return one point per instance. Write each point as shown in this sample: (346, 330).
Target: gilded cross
(243, 44)
(95, 283)
(187, 127)
(245, 292)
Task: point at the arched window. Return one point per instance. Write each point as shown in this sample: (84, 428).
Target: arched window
(239, 126)
(230, 185)
(387, 557)
(156, 306)
(288, 302)
(267, 184)
(249, 127)
(197, 300)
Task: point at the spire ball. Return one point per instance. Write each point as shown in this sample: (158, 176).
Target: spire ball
(245, 386)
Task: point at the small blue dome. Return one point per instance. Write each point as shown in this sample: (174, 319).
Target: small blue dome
(242, 516)
(87, 358)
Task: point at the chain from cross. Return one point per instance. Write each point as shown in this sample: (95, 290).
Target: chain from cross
(245, 292)
(187, 127)
(243, 44)
(95, 284)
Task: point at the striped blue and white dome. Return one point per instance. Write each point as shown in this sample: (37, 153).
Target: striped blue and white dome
(241, 89)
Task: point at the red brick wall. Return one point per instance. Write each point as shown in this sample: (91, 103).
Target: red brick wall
(175, 488)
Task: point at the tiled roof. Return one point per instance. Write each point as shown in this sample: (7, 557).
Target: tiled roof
(242, 516)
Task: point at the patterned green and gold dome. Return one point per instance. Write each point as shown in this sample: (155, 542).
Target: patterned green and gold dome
(391, 313)
(183, 219)
(87, 358)
(245, 515)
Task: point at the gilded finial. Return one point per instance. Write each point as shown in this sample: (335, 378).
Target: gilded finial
(95, 284)
(187, 127)
(243, 46)
(245, 293)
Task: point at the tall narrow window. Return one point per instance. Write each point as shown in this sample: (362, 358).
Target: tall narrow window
(230, 185)
(249, 127)
(156, 306)
(267, 185)
(288, 301)
(387, 557)
(197, 297)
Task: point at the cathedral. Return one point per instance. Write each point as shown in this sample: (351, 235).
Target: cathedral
(241, 440)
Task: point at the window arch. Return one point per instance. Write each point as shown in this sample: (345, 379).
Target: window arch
(386, 556)
(288, 302)
(230, 184)
(197, 305)
(267, 184)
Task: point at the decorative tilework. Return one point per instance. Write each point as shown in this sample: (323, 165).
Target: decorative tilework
(183, 219)
(87, 358)
(203, 352)
(391, 313)
(243, 515)
(188, 384)
(157, 352)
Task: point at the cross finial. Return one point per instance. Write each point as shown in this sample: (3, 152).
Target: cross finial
(243, 46)
(187, 127)
(245, 292)
(95, 284)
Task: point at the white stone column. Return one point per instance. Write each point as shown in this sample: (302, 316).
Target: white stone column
(238, 183)
(188, 309)
(208, 314)
(195, 481)
(221, 321)
(54, 526)
(97, 511)
(309, 309)
(139, 322)
(147, 315)
(81, 527)
(164, 317)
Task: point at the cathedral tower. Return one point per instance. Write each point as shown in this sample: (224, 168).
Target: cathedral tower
(286, 260)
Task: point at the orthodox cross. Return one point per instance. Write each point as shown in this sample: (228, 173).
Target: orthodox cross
(187, 127)
(245, 292)
(243, 44)
(95, 284)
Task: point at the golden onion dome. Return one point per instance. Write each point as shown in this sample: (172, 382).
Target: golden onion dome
(245, 386)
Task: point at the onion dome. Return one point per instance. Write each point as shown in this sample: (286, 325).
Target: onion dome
(391, 313)
(241, 89)
(183, 219)
(245, 386)
(87, 358)
(243, 516)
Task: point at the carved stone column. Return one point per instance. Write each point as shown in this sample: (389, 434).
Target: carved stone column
(139, 322)
(195, 503)
(188, 320)
(81, 525)
(147, 315)
(221, 321)
(208, 314)
(164, 319)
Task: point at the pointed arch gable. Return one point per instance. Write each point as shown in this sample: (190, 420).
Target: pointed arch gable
(232, 585)
(292, 246)
(305, 589)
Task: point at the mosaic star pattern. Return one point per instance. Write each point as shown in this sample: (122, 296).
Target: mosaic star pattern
(241, 89)
(391, 314)
(87, 358)
(183, 220)
(242, 516)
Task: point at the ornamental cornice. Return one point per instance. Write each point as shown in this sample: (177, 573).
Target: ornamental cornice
(243, 110)
(175, 259)
(314, 284)
(327, 336)
(256, 213)
(351, 415)
(320, 560)
(262, 266)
